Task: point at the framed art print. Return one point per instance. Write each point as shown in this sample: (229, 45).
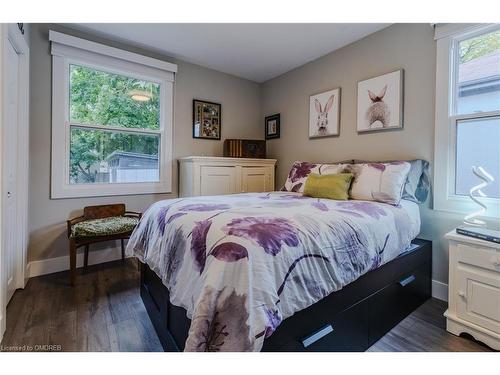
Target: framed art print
(324, 114)
(272, 126)
(380, 102)
(207, 119)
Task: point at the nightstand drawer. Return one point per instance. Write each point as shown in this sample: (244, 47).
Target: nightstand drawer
(479, 298)
(479, 256)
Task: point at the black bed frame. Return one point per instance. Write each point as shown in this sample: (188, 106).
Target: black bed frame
(351, 319)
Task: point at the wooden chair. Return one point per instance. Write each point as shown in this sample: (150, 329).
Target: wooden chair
(97, 224)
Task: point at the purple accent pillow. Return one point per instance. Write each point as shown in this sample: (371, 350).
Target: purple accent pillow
(301, 169)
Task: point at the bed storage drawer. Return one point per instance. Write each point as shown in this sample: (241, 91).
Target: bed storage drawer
(347, 332)
(383, 300)
(155, 298)
(390, 305)
(156, 292)
(361, 325)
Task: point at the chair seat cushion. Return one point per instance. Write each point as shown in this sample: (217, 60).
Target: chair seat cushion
(104, 227)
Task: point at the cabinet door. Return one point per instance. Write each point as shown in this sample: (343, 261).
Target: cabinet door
(256, 179)
(479, 297)
(217, 180)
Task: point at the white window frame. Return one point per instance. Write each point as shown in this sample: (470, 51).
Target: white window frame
(445, 199)
(68, 50)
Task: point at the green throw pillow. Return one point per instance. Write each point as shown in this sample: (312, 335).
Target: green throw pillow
(331, 186)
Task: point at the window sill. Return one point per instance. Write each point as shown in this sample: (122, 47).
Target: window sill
(105, 190)
(463, 205)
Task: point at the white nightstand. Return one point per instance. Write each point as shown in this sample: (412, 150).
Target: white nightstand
(474, 289)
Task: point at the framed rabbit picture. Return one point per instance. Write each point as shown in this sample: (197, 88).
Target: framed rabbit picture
(324, 114)
(380, 103)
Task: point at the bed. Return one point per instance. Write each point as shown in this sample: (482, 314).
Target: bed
(279, 271)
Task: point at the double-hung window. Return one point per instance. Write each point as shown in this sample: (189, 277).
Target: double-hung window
(112, 116)
(467, 115)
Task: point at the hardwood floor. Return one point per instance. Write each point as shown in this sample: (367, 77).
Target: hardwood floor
(104, 312)
(424, 330)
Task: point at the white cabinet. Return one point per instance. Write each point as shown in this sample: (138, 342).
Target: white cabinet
(256, 179)
(474, 289)
(479, 299)
(199, 175)
(217, 180)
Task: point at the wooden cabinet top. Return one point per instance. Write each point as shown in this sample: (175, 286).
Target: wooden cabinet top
(220, 159)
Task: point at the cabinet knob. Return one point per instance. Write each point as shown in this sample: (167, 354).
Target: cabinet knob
(495, 261)
(461, 293)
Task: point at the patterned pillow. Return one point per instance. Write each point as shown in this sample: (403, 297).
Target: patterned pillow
(418, 182)
(381, 182)
(301, 169)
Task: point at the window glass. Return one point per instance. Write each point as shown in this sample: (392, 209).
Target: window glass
(478, 144)
(99, 156)
(479, 74)
(102, 98)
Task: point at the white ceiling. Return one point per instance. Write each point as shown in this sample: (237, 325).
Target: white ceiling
(257, 52)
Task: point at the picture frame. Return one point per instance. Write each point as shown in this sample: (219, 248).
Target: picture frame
(272, 126)
(207, 120)
(324, 114)
(380, 102)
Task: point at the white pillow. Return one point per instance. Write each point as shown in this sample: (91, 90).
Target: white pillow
(381, 182)
(301, 169)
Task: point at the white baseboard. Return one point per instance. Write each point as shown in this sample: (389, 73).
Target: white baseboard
(52, 265)
(440, 290)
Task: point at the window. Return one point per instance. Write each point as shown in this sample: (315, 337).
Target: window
(478, 144)
(112, 120)
(467, 116)
(478, 73)
(100, 101)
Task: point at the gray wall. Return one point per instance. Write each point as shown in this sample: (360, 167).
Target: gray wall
(410, 47)
(404, 46)
(240, 101)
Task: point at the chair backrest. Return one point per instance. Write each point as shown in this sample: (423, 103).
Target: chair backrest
(105, 210)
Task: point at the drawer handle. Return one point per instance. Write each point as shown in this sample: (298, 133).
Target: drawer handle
(407, 280)
(311, 339)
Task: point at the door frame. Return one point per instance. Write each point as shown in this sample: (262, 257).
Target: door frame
(9, 33)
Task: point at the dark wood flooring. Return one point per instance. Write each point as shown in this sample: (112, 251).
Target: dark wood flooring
(104, 312)
(424, 330)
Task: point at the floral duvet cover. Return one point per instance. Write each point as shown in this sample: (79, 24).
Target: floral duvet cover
(240, 264)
